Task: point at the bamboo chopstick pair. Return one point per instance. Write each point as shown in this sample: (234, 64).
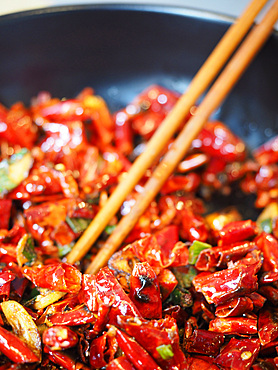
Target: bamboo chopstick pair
(220, 89)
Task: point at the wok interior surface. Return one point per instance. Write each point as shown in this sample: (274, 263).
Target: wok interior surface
(121, 49)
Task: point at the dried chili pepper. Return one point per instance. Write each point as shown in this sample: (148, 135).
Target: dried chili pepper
(145, 291)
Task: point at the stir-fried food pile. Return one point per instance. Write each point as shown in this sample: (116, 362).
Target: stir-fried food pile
(188, 289)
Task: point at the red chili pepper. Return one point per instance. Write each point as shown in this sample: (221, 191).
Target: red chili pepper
(136, 354)
(200, 307)
(153, 104)
(267, 177)
(204, 342)
(65, 361)
(45, 181)
(234, 325)
(19, 127)
(268, 324)
(167, 237)
(145, 291)
(211, 176)
(270, 293)
(193, 161)
(123, 133)
(6, 277)
(120, 363)
(19, 283)
(60, 277)
(188, 183)
(167, 283)
(148, 249)
(5, 213)
(193, 226)
(239, 354)
(79, 315)
(89, 292)
(258, 300)
(60, 111)
(99, 351)
(217, 140)
(7, 253)
(235, 307)
(111, 294)
(237, 231)
(268, 244)
(14, 348)
(269, 349)
(195, 363)
(7, 366)
(154, 335)
(233, 282)
(220, 256)
(266, 363)
(267, 153)
(59, 337)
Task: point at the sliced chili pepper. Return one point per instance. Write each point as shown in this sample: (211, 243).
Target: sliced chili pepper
(235, 307)
(268, 244)
(120, 363)
(267, 363)
(213, 174)
(19, 127)
(77, 316)
(145, 291)
(111, 294)
(97, 349)
(267, 324)
(136, 354)
(238, 354)
(267, 153)
(89, 291)
(270, 293)
(64, 360)
(233, 282)
(220, 256)
(148, 249)
(5, 282)
(204, 342)
(60, 277)
(167, 283)
(258, 300)
(59, 337)
(234, 325)
(217, 140)
(5, 213)
(154, 336)
(100, 348)
(14, 348)
(123, 133)
(188, 183)
(237, 231)
(196, 363)
(193, 226)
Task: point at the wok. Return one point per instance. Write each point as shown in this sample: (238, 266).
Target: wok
(121, 49)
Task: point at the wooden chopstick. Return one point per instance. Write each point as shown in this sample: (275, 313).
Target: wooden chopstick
(169, 126)
(225, 82)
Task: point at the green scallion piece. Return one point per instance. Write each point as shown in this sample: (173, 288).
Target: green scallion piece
(29, 251)
(195, 249)
(63, 250)
(109, 229)
(266, 225)
(165, 351)
(78, 225)
(14, 170)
